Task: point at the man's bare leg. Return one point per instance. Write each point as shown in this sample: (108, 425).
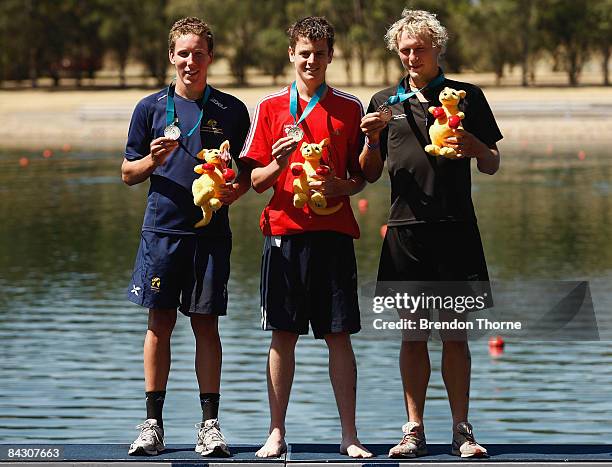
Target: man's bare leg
(415, 369)
(343, 376)
(208, 353)
(157, 349)
(280, 371)
(456, 369)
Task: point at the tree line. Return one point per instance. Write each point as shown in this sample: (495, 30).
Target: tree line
(71, 38)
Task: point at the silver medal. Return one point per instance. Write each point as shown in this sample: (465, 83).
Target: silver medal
(172, 131)
(295, 132)
(385, 112)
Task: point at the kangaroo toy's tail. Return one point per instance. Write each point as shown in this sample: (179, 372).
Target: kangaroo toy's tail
(207, 212)
(324, 211)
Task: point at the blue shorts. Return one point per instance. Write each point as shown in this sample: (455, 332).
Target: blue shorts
(187, 272)
(310, 278)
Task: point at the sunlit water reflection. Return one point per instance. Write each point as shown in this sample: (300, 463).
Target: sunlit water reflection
(71, 346)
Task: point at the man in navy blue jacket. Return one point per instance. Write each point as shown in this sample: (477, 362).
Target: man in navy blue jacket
(179, 265)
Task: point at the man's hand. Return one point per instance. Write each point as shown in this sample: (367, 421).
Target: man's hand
(227, 194)
(466, 144)
(283, 148)
(264, 177)
(372, 125)
(329, 185)
(161, 148)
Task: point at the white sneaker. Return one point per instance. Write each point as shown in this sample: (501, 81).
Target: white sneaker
(150, 441)
(413, 443)
(464, 443)
(210, 439)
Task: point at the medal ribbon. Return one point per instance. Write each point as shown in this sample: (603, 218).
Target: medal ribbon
(293, 101)
(170, 118)
(401, 95)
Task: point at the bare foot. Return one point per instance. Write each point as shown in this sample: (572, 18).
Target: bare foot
(353, 448)
(274, 447)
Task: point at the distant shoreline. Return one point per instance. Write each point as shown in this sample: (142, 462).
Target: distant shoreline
(37, 119)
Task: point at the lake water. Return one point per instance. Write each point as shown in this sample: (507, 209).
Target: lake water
(71, 345)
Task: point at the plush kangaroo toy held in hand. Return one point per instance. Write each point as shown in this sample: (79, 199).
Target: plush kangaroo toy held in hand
(213, 175)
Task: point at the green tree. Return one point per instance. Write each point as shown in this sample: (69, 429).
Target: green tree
(602, 34)
(530, 39)
(358, 36)
(51, 24)
(116, 31)
(272, 52)
(16, 56)
(498, 29)
(151, 38)
(568, 26)
(341, 13)
(381, 14)
(84, 48)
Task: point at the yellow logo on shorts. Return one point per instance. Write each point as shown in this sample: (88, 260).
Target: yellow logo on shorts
(155, 283)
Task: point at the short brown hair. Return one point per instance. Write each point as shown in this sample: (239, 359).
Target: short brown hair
(313, 28)
(190, 25)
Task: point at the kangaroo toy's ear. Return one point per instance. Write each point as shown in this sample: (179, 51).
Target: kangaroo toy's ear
(201, 154)
(461, 93)
(325, 142)
(225, 145)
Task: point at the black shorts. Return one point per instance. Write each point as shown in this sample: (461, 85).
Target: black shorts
(185, 271)
(441, 259)
(310, 277)
(444, 251)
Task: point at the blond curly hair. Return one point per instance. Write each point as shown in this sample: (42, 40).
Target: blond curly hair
(417, 23)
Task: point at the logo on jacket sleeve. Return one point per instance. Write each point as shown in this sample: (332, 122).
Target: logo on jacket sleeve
(155, 284)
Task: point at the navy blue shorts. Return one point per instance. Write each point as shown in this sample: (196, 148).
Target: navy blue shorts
(187, 272)
(310, 278)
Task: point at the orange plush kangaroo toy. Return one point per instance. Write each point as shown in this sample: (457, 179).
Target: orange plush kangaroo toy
(213, 175)
(448, 118)
(304, 173)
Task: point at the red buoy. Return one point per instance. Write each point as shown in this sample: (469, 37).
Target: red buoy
(47, 153)
(363, 205)
(549, 149)
(496, 346)
(24, 161)
(496, 342)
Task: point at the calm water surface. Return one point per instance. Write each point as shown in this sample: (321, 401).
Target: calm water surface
(71, 345)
